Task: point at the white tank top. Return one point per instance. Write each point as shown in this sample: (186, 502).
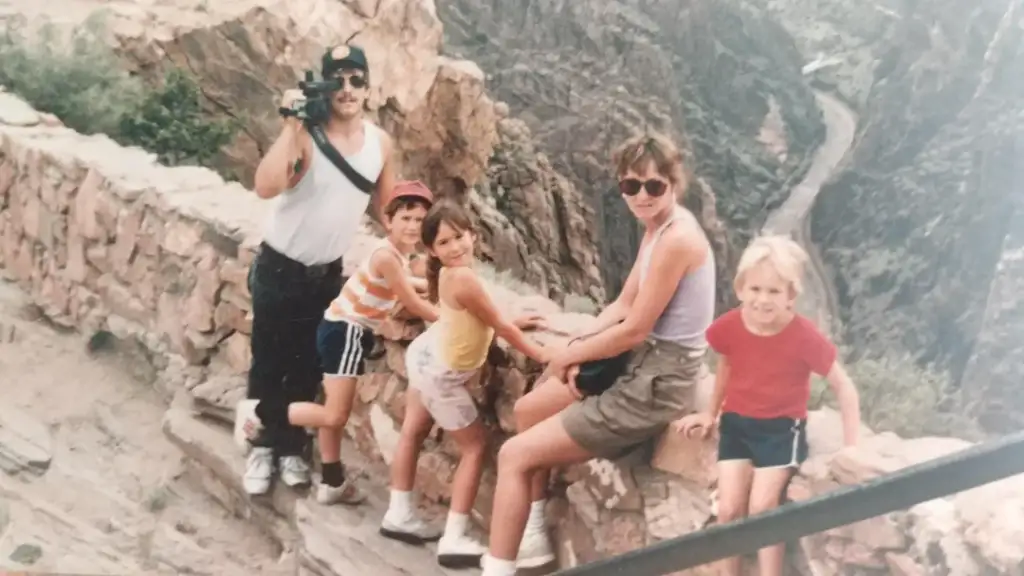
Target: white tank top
(315, 222)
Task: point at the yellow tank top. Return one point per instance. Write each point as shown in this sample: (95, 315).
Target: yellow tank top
(464, 338)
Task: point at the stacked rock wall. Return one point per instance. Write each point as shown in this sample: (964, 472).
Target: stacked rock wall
(104, 238)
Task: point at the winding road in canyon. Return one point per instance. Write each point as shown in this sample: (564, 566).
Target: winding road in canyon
(819, 301)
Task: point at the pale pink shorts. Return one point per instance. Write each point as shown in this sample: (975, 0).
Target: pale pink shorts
(442, 389)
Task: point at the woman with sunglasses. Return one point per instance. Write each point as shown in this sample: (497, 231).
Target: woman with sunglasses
(655, 329)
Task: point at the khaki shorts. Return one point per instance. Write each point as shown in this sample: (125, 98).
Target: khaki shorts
(442, 389)
(657, 387)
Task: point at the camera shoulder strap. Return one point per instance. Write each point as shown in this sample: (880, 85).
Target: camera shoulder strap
(332, 154)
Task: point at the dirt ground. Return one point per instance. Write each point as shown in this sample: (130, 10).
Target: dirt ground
(116, 497)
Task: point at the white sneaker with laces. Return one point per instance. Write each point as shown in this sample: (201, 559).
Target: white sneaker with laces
(534, 549)
(259, 467)
(460, 552)
(294, 471)
(409, 529)
(348, 493)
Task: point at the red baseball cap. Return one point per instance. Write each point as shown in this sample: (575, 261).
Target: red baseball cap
(412, 189)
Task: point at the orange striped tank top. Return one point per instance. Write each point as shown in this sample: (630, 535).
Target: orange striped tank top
(366, 299)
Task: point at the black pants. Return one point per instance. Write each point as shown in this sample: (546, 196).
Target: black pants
(288, 302)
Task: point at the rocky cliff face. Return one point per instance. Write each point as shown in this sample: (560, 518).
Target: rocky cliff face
(585, 74)
(920, 228)
(244, 54)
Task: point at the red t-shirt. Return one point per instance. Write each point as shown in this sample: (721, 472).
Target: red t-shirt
(770, 376)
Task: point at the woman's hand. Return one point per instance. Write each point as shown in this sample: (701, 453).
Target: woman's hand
(557, 366)
(570, 380)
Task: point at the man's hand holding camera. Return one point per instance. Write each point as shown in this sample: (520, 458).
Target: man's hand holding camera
(288, 101)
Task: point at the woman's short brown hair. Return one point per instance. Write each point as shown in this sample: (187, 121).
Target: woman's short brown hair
(651, 147)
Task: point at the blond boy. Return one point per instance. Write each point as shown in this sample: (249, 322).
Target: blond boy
(767, 353)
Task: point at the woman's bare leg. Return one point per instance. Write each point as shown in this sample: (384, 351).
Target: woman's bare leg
(549, 398)
(545, 445)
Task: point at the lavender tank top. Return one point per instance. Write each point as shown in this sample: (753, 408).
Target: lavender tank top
(692, 308)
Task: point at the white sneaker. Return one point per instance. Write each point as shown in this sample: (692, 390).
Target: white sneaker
(534, 549)
(259, 467)
(247, 424)
(410, 529)
(460, 552)
(348, 493)
(294, 471)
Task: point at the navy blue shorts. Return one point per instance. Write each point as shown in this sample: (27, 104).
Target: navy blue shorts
(765, 442)
(343, 347)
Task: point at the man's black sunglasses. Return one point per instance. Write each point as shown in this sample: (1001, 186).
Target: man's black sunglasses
(355, 81)
(632, 186)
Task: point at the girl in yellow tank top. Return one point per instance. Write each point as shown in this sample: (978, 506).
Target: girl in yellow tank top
(439, 363)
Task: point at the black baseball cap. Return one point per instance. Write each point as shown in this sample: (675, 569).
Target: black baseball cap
(343, 57)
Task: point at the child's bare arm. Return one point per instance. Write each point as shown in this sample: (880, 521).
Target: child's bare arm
(704, 421)
(470, 294)
(718, 395)
(849, 402)
(389, 267)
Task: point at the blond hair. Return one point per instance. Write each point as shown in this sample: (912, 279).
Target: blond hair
(652, 148)
(784, 255)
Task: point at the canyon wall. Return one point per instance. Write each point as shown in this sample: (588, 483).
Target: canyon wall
(719, 75)
(104, 239)
(919, 228)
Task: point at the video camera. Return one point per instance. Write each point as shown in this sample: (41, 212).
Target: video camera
(315, 108)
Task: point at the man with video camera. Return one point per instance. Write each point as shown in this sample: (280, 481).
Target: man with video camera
(323, 170)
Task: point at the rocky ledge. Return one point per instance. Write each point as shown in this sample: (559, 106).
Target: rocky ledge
(105, 239)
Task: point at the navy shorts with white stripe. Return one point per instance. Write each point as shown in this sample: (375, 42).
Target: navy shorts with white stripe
(764, 442)
(343, 347)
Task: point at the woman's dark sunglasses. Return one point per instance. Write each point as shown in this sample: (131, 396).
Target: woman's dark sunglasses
(632, 186)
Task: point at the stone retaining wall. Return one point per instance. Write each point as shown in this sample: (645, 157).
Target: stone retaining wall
(103, 238)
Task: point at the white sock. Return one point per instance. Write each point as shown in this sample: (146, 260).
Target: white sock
(497, 567)
(456, 525)
(536, 520)
(401, 504)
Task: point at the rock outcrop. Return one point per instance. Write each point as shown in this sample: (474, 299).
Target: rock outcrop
(720, 74)
(920, 227)
(535, 223)
(103, 238)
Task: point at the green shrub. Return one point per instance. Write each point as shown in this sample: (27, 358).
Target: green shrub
(170, 123)
(898, 395)
(79, 80)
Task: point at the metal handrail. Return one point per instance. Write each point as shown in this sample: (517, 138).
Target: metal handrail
(962, 470)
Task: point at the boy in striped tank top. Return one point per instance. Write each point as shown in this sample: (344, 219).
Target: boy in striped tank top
(346, 335)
